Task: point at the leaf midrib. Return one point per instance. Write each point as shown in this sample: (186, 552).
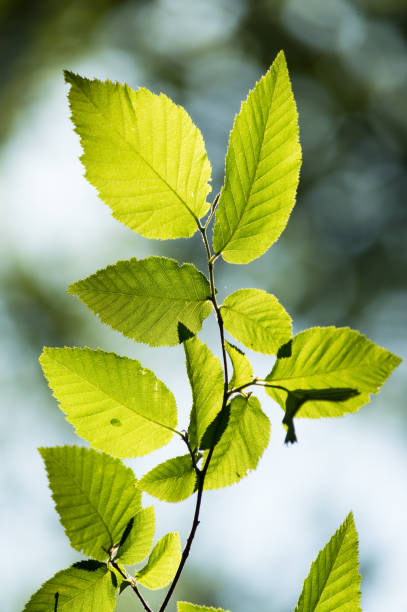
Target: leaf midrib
(136, 295)
(92, 585)
(100, 112)
(112, 397)
(254, 173)
(358, 366)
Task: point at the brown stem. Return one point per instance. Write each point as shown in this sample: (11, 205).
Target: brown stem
(133, 585)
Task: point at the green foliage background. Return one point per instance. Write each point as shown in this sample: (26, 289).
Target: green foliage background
(342, 259)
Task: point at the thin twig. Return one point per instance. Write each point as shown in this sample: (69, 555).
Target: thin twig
(132, 584)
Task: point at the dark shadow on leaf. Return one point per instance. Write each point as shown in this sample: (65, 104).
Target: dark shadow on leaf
(215, 430)
(285, 350)
(183, 332)
(89, 565)
(56, 601)
(298, 397)
(126, 532)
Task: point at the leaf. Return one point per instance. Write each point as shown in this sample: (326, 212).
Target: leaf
(83, 587)
(171, 481)
(334, 580)
(183, 606)
(262, 170)
(327, 357)
(257, 320)
(241, 445)
(206, 378)
(137, 539)
(95, 497)
(143, 154)
(147, 300)
(162, 563)
(242, 369)
(114, 403)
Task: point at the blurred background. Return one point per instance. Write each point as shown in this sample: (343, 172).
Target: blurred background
(342, 260)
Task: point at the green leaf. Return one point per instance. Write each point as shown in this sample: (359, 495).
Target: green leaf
(322, 358)
(262, 170)
(162, 563)
(183, 606)
(241, 445)
(86, 586)
(171, 481)
(242, 369)
(334, 580)
(114, 403)
(137, 539)
(143, 154)
(206, 378)
(95, 496)
(148, 300)
(257, 320)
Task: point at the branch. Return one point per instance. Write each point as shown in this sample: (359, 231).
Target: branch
(132, 584)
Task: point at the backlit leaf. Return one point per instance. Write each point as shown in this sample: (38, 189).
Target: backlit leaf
(86, 586)
(206, 378)
(162, 563)
(148, 300)
(257, 320)
(171, 481)
(114, 403)
(321, 358)
(242, 444)
(262, 170)
(183, 606)
(334, 580)
(95, 497)
(242, 369)
(143, 154)
(137, 539)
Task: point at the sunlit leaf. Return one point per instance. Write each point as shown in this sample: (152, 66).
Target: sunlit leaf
(86, 586)
(334, 580)
(148, 300)
(327, 357)
(114, 403)
(95, 496)
(242, 444)
(206, 378)
(183, 606)
(162, 563)
(257, 320)
(171, 481)
(137, 539)
(242, 369)
(262, 170)
(143, 154)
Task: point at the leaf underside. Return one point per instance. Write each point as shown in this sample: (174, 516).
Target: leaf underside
(171, 481)
(242, 444)
(262, 170)
(84, 587)
(114, 403)
(257, 320)
(148, 299)
(143, 154)
(95, 497)
(321, 358)
(334, 580)
(162, 563)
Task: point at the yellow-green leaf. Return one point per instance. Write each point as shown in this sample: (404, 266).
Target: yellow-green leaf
(171, 481)
(137, 539)
(162, 563)
(242, 369)
(143, 154)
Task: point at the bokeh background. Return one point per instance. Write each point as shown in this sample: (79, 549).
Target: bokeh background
(342, 260)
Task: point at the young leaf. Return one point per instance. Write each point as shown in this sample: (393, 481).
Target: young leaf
(95, 497)
(257, 320)
(143, 154)
(241, 445)
(262, 170)
(334, 580)
(183, 606)
(242, 369)
(206, 377)
(85, 586)
(171, 481)
(147, 300)
(114, 403)
(137, 539)
(321, 358)
(162, 563)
